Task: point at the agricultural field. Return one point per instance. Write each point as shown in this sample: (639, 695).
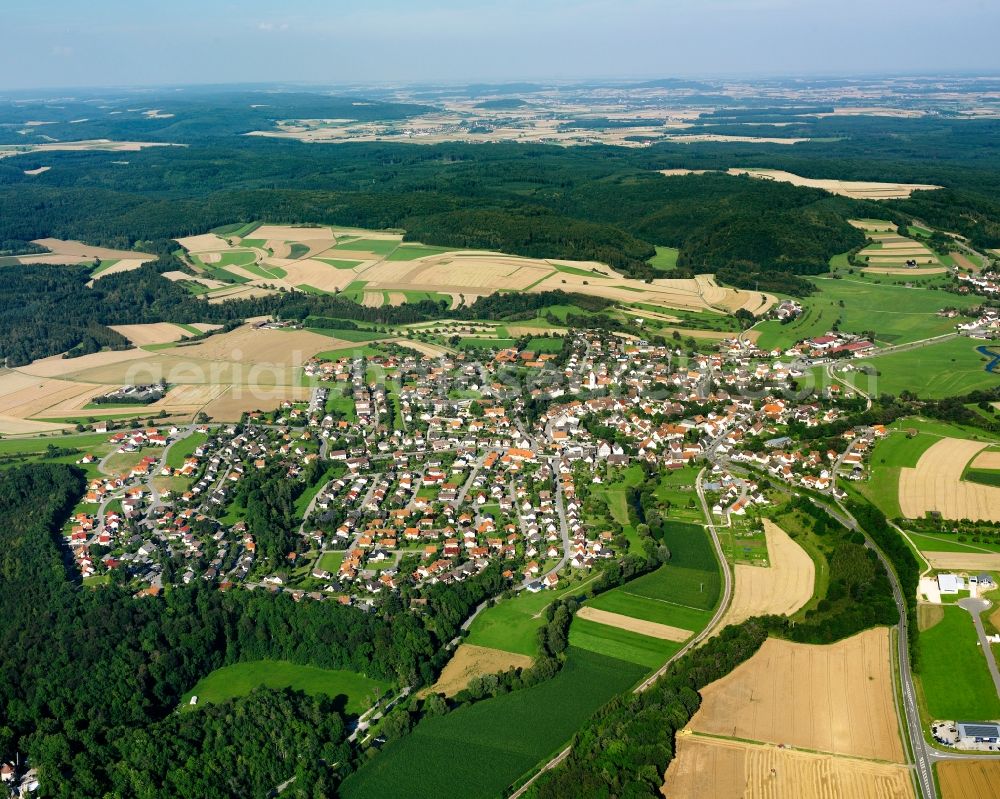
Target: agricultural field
(947, 368)
(617, 642)
(320, 259)
(646, 620)
(479, 750)
(357, 691)
(962, 779)
(954, 679)
(782, 587)
(856, 304)
(835, 698)
(906, 443)
(692, 574)
(889, 253)
(935, 484)
(473, 661)
(728, 769)
(225, 375)
(855, 189)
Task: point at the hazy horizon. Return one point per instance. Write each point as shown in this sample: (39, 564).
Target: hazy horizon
(64, 45)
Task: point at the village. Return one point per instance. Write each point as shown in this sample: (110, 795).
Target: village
(412, 470)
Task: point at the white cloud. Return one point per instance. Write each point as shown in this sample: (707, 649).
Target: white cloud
(270, 27)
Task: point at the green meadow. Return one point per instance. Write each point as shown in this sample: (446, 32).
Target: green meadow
(954, 677)
(358, 692)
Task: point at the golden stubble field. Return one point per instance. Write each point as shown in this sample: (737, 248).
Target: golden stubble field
(721, 769)
(226, 374)
(781, 588)
(856, 189)
(970, 778)
(650, 628)
(936, 484)
(474, 661)
(836, 698)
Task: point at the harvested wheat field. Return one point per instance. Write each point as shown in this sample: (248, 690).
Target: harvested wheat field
(372, 299)
(430, 350)
(313, 273)
(473, 661)
(78, 248)
(237, 400)
(721, 769)
(204, 242)
(204, 281)
(56, 365)
(124, 265)
(874, 225)
(903, 270)
(247, 344)
(781, 588)
(963, 561)
(969, 778)
(242, 292)
(12, 426)
(858, 190)
(651, 628)
(153, 333)
(987, 460)
(836, 698)
(292, 233)
(936, 484)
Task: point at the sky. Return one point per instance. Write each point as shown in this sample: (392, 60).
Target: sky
(69, 43)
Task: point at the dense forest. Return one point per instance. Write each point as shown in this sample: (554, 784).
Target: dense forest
(89, 678)
(600, 203)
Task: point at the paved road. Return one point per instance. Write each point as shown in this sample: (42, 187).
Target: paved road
(976, 607)
(923, 755)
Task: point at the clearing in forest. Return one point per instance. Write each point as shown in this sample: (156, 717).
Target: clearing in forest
(855, 189)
